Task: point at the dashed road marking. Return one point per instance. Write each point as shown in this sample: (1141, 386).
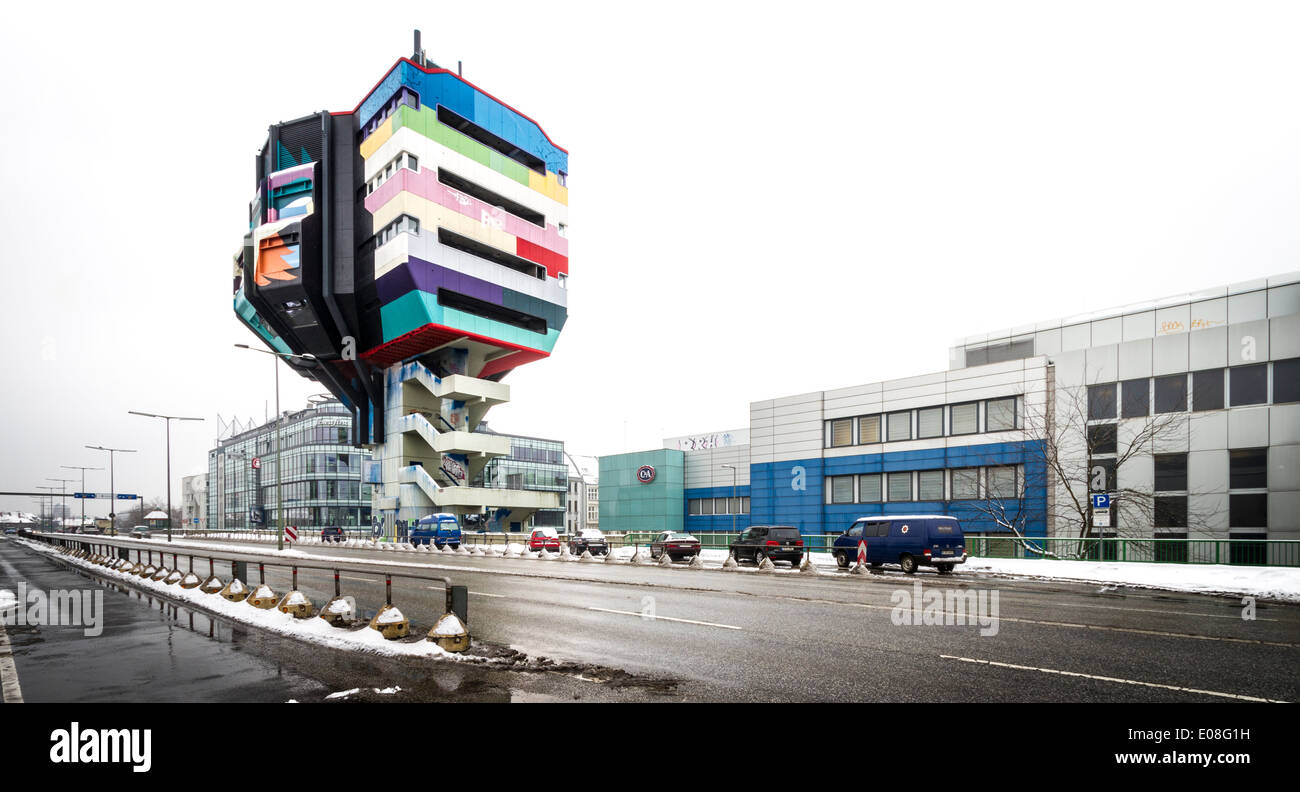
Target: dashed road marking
(666, 618)
(1117, 680)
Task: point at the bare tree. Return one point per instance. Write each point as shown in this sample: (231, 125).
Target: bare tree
(1068, 459)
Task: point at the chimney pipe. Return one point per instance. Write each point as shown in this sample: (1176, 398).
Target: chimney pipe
(416, 57)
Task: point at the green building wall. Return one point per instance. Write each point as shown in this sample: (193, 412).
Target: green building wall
(628, 505)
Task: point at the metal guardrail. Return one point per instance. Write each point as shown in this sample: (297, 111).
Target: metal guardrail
(1237, 552)
(145, 549)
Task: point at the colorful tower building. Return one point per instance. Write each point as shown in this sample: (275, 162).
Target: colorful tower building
(411, 253)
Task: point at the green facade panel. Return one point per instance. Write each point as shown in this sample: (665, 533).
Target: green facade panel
(627, 504)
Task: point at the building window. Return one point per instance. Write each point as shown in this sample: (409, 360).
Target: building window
(1103, 439)
(1248, 468)
(1136, 395)
(1251, 551)
(1000, 414)
(720, 506)
(706, 506)
(1108, 471)
(869, 429)
(1207, 390)
(1171, 511)
(1170, 552)
(900, 426)
(1248, 384)
(964, 418)
(1003, 482)
(929, 422)
(900, 486)
(966, 483)
(841, 489)
(930, 485)
(841, 432)
(1171, 394)
(1248, 511)
(1101, 401)
(1171, 472)
(1286, 381)
(869, 488)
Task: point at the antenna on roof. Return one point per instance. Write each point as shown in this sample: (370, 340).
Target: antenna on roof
(418, 55)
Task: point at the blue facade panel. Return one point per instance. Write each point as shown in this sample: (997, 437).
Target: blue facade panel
(445, 88)
(714, 523)
(792, 492)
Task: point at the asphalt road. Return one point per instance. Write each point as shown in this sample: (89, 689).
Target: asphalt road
(745, 636)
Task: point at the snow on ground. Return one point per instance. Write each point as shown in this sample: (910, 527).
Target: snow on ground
(314, 630)
(1279, 583)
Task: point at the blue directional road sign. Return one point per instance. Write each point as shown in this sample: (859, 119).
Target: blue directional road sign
(121, 496)
(1101, 500)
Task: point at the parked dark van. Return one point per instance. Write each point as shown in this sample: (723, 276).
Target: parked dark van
(909, 541)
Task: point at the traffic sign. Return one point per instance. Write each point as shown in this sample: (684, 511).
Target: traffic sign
(291, 533)
(1101, 518)
(257, 463)
(862, 552)
(1100, 500)
(87, 495)
(121, 496)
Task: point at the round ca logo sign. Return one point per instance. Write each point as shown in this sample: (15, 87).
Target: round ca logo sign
(645, 474)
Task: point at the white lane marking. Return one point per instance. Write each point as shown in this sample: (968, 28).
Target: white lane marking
(475, 593)
(1156, 610)
(1117, 680)
(1081, 626)
(666, 618)
(10, 691)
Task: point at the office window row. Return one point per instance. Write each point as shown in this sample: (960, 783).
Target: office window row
(712, 506)
(998, 415)
(953, 484)
(1247, 483)
(1210, 389)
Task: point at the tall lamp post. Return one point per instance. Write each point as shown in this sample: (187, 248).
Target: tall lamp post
(279, 504)
(168, 420)
(63, 497)
(44, 498)
(112, 492)
(732, 507)
(83, 490)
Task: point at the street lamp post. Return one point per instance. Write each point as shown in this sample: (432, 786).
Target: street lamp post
(279, 504)
(63, 497)
(50, 498)
(83, 470)
(112, 491)
(732, 507)
(168, 420)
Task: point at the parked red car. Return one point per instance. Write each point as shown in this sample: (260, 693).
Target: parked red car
(544, 539)
(678, 546)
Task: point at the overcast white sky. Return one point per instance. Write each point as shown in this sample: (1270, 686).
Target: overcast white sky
(766, 198)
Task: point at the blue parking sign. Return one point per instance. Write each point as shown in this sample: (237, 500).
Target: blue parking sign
(1101, 500)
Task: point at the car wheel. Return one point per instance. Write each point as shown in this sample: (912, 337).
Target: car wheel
(842, 560)
(759, 555)
(796, 561)
(735, 555)
(908, 563)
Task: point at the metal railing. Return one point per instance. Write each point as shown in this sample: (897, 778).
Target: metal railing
(1238, 552)
(145, 550)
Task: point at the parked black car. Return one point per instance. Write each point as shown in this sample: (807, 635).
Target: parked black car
(777, 542)
(331, 534)
(678, 546)
(588, 539)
